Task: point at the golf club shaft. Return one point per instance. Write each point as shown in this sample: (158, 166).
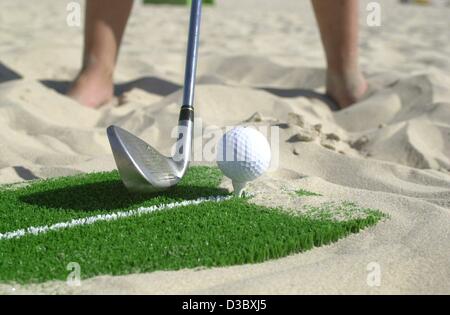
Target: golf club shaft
(192, 54)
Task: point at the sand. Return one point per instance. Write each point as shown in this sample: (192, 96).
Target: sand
(259, 61)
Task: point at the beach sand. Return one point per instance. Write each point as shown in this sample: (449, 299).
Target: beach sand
(390, 151)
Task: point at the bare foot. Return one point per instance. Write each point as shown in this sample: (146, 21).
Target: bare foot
(346, 89)
(92, 88)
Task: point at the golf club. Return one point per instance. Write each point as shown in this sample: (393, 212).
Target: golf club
(141, 167)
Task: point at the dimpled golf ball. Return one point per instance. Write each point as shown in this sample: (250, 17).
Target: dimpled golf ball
(243, 154)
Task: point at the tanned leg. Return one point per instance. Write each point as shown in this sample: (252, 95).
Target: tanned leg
(104, 27)
(338, 24)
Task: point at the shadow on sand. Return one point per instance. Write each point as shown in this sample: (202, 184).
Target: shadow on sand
(7, 74)
(149, 84)
(162, 87)
(311, 94)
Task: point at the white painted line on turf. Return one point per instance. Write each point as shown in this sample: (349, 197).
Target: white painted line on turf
(107, 217)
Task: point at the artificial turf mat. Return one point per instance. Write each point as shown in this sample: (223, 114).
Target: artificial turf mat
(210, 234)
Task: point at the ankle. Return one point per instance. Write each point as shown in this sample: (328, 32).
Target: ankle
(343, 72)
(100, 72)
(346, 87)
(93, 87)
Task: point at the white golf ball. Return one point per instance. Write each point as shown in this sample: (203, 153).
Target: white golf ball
(243, 154)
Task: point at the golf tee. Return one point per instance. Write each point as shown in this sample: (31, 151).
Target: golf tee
(239, 189)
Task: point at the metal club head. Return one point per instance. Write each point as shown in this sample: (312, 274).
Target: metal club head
(142, 168)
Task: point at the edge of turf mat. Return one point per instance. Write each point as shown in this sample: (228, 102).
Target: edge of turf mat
(209, 234)
(36, 230)
(63, 199)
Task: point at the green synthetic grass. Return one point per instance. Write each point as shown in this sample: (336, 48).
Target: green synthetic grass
(306, 193)
(211, 234)
(58, 200)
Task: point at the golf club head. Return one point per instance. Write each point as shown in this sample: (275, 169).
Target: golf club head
(142, 168)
